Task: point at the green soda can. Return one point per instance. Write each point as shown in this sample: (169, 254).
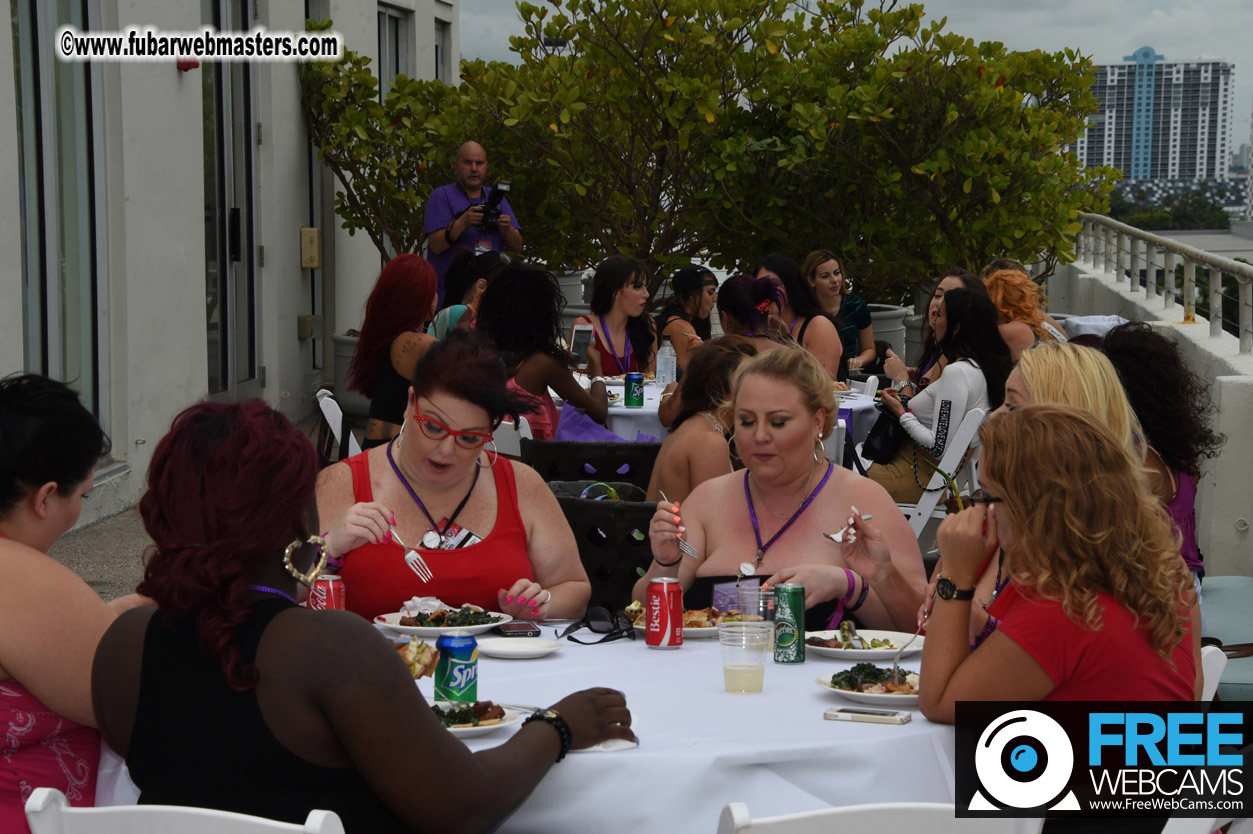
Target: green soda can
(789, 623)
(633, 396)
(457, 670)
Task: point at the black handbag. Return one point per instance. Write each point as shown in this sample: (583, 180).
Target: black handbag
(885, 438)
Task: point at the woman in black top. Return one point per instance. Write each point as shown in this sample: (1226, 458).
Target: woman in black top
(685, 315)
(230, 696)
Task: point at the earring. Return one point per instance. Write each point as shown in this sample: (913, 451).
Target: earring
(492, 455)
(305, 579)
(819, 450)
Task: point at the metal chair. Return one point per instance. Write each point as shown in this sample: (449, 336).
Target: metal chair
(48, 812)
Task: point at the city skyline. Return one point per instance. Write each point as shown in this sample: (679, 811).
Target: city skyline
(1107, 31)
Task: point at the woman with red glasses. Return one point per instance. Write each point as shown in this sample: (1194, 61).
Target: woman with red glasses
(489, 529)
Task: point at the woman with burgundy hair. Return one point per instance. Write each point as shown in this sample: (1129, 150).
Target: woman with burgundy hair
(749, 307)
(488, 528)
(231, 696)
(391, 342)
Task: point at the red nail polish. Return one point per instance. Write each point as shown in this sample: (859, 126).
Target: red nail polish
(521, 600)
(509, 598)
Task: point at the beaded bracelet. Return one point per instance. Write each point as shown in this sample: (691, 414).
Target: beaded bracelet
(988, 627)
(551, 716)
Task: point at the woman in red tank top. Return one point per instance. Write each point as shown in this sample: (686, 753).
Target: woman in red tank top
(489, 530)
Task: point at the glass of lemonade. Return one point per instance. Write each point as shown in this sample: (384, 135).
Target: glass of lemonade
(745, 646)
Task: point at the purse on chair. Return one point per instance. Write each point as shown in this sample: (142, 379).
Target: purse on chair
(885, 438)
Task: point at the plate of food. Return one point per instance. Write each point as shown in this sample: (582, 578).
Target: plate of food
(468, 619)
(517, 647)
(870, 684)
(699, 623)
(470, 720)
(863, 644)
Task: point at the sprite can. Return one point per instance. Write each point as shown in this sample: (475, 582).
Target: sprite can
(789, 623)
(634, 395)
(457, 671)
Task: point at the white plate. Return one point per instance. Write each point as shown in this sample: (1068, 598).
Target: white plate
(898, 638)
(869, 697)
(517, 647)
(511, 717)
(392, 622)
(689, 633)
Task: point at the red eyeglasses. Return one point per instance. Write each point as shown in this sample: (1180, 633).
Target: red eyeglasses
(437, 431)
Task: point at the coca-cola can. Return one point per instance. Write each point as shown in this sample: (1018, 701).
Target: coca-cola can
(327, 593)
(663, 613)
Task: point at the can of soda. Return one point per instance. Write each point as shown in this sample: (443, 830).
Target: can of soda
(634, 395)
(457, 671)
(327, 593)
(789, 623)
(663, 613)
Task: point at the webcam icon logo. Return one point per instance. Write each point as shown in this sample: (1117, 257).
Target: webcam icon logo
(1024, 760)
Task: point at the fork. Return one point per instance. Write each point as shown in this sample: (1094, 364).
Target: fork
(896, 661)
(684, 548)
(414, 559)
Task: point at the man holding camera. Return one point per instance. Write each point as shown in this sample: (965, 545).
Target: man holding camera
(468, 215)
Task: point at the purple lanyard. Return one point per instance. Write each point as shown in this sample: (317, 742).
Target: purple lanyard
(418, 500)
(614, 351)
(762, 548)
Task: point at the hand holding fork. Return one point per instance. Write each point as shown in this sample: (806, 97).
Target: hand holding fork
(413, 559)
(684, 548)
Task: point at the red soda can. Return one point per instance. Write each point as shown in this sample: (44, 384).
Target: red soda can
(327, 593)
(663, 612)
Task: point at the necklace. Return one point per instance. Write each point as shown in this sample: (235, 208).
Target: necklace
(750, 568)
(808, 481)
(431, 538)
(266, 589)
(715, 425)
(624, 364)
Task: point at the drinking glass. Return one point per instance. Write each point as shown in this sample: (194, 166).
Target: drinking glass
(744, 649)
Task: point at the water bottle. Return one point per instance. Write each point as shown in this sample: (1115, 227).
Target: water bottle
(667, 365)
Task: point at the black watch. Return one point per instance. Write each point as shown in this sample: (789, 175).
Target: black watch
(945, 589)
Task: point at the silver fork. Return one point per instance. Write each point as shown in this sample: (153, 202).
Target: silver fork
(413, 559)
(896, 661)
(684, 548)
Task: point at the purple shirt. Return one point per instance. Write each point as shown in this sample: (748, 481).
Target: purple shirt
(444, 204)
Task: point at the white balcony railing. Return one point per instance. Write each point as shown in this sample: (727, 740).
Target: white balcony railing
(1133, 254)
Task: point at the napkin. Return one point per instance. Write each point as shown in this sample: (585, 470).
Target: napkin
(423, 605)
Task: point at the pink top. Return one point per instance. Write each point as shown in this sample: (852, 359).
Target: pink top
(42, 750)
(543, 418)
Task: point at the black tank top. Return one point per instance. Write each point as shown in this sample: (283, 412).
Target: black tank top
(198, 742)
(389, 394)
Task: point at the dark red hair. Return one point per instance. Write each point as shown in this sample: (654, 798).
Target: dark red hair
(227, 488)
(399, 303)
(466, 364)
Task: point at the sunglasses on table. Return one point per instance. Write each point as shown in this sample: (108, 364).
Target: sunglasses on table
(598, 620)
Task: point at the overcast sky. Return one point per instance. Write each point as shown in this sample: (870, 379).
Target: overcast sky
(1107, 30)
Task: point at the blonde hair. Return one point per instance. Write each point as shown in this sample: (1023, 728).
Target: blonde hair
(1059, 373)
(1018, 298)
(796, 366)
(1086, 521)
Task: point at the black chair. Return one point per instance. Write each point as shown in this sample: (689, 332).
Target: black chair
(562, 460)
(612, 535)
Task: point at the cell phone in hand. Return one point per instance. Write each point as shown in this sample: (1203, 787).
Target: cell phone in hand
(874, 716)
(517, 628)
(580, 344)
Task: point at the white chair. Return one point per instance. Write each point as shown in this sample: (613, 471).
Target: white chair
(1213, 662)
(48, 812)
(929, 817)
(833, 446)
(869, 387)
(508, 438)
(334, 416)
(958, 444)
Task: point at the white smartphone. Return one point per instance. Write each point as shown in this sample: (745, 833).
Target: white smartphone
(580, 344)
(874, 716)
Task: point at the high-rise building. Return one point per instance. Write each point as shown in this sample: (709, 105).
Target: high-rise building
(1161, 119)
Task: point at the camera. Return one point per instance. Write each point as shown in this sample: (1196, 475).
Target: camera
(491, 209)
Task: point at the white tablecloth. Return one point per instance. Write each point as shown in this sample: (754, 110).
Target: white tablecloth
(700, 747)
(627, 422)
(862, 414)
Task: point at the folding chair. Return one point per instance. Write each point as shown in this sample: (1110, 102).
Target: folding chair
(952, 462)
(508, 438)
(338, 423)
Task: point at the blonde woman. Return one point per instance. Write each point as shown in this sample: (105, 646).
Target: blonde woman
(1097, 603)
(1020, 305)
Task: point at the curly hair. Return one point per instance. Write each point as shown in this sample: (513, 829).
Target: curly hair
(465, 270)
(227, 490)
(1173, 403)
(796, 366)
(747, 300)
(399, 303)
(1018, 298)
(614, 273)
(1061, 373)
(1086, 522)
(521, 311)
(46, 435)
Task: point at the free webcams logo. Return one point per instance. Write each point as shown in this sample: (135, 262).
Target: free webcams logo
(1024, 760)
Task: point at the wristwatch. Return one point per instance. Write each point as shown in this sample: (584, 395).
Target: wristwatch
(554, 718)
(945, 589)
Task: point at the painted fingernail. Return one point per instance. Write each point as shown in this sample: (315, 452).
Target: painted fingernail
(533, 610)
(509, 598)
(855, 511)
(389, 535)
(682, 529)
(677, 519)
(521, 600)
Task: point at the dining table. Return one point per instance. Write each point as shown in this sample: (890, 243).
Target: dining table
(699, 748)
(628, 422)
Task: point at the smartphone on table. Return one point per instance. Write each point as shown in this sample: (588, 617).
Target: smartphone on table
(874, 716)
(518, 628)
(580, 345)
